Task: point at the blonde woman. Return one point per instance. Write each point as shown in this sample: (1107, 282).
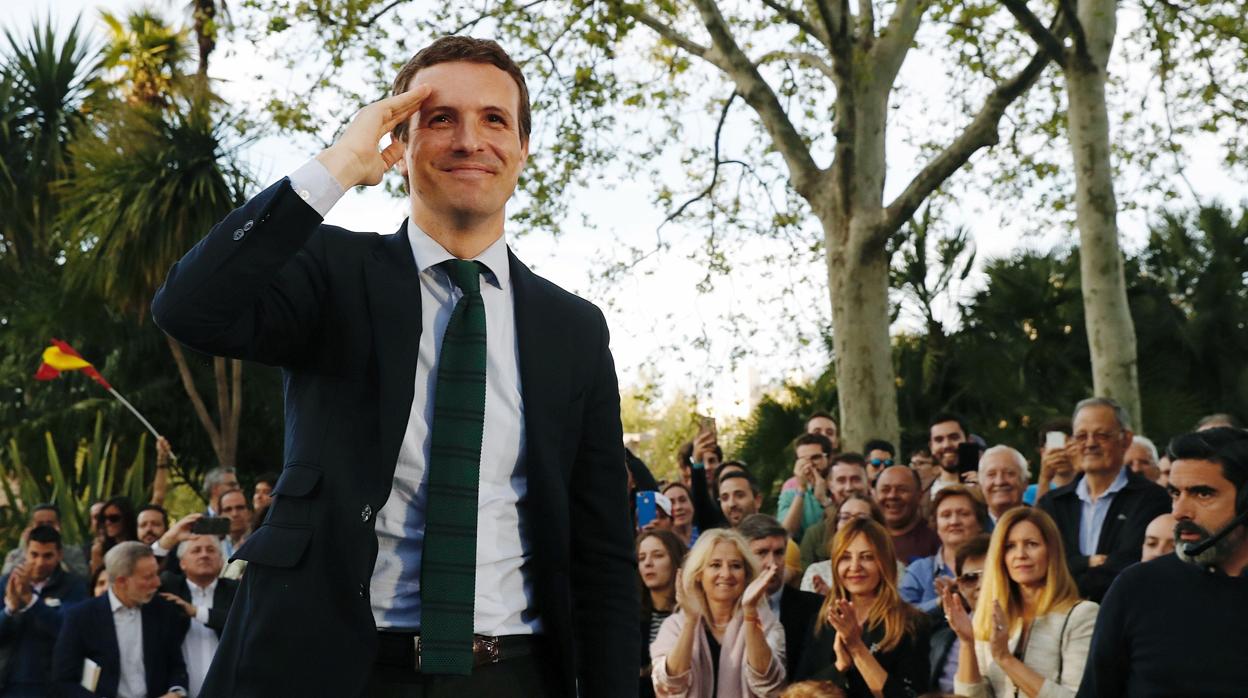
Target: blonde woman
(1031, 631)
(724, 641)
(866, 637)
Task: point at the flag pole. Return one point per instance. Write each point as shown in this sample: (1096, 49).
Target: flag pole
(136, 413)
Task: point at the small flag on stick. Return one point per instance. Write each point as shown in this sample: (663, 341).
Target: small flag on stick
(62, 357)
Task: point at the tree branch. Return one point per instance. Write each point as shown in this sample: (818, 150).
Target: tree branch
(803, 171)
(799, 20)
(804, 57)
(197, 402)
(680, 40)
(866, 23)
(832, 15)
(1036, 29)
(1071, 12)
(719, 128)
(980, 133)
(897, 38)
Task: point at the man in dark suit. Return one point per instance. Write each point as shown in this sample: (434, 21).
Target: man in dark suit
(204, 597)
(1104, 512)
(337, 591)
(133, 637)
(796, 609)
(36, 594)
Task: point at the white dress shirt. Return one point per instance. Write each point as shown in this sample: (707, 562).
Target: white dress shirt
(504, 590)
(128, 623)
(201, 641)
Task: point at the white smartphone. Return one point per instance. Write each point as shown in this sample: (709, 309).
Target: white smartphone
(1054, 439)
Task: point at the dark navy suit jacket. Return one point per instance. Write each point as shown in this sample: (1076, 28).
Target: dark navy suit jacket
(27, 638)
(339, 311)
(89, 632)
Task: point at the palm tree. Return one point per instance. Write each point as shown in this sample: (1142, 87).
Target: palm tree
(157, 170)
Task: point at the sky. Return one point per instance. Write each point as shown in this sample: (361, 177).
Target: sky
(663, 301)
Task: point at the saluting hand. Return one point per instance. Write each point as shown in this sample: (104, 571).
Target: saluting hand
(356, 157)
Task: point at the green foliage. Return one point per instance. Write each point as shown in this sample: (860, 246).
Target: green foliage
(93, 474)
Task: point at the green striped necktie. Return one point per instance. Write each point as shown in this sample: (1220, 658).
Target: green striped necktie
(449, 560)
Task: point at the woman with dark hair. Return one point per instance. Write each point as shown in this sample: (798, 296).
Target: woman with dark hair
(659, 554)
(115, 523)
(1031, 631)
(682, 512)
(866, 638)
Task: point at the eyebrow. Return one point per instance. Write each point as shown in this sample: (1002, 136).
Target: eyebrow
(1193, 489)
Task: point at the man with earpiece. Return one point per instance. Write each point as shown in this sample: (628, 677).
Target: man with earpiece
(1175, 625)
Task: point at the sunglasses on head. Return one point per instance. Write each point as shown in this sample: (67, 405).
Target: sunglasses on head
(886, 462)
(970, 578)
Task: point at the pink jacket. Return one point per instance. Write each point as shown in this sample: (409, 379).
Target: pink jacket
(736, 678)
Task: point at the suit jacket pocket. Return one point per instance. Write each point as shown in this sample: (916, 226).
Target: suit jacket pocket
(275, 545)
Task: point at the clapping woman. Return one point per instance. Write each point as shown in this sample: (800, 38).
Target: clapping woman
(1030, 633)
(866, 638)
(724, 641)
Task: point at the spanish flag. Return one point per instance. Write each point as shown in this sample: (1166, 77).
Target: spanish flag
(62, 357)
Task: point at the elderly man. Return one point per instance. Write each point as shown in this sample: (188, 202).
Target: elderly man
(36, 593)
(1171, 627)
(205, 597)
(1103, 513)
(897, 491)
(133, 638)
(1141, 458)
(1003, 477)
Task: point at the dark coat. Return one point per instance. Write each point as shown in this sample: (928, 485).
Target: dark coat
(1122, 535)
(222, 597)
(340, 313)
(798, 611)
(27, 638)
(88, 632)
(906, 664)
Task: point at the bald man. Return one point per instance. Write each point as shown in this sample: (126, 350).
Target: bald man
(1158, 538)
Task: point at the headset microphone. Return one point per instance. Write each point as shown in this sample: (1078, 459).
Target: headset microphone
(1191, 550)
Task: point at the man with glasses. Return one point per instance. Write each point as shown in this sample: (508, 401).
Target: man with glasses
(1104, 512)
(880, 455)
(803, 496)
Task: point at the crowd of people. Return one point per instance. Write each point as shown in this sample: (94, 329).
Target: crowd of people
(951, 573)
(135, 611)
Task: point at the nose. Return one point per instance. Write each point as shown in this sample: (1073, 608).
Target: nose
(467, 137)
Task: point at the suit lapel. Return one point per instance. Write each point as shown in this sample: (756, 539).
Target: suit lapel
(393, 284)
(543, 378)
(110, 650)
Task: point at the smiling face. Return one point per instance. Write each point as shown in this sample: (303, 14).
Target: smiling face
(1026, 554)
(151, 526)
(859, 569)
(943, 439)
(853, 509)
(1099, 441)
(846, 479)
(898, 495)
(723, 578)
(1001, 481)
(682, 508)
(654, 564)
(111, 520)
(956, 522)
(825, 427)
(464, 153)
(737, 499)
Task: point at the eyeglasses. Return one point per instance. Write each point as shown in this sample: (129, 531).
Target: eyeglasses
(847, 516)
(109, 518)
(970, 579)
(886, 462)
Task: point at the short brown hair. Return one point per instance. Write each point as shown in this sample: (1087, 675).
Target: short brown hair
(973, 494)
(449, 49)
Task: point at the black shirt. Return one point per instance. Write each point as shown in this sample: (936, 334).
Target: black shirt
(714, 645)
(1169, 628)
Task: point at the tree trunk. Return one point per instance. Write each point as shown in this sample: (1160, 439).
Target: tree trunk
(223, 435)
(1111, 332)
(866, 388)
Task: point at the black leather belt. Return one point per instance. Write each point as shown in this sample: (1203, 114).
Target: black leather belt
(403, 649)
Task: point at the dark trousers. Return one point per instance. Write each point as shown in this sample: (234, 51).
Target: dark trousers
(521, 677)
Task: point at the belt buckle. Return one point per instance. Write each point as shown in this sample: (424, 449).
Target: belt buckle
(484, 650)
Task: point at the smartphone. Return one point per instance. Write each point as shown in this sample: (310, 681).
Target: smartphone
(705, 423)
(968, 457)
(646, 508)
(212, 526)
(1054, 439)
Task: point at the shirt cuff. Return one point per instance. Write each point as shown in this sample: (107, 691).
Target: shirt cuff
(316, 186)
(201, 614)
(159, 550)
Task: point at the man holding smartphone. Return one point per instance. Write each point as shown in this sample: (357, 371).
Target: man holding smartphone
(946, 431)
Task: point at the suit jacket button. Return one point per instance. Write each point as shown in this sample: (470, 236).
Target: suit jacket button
(362, 592)
(248, 226)
(238, 234)
(366, 513)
